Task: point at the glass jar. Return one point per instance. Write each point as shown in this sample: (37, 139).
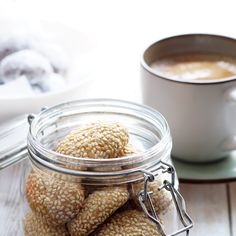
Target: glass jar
(131, 195)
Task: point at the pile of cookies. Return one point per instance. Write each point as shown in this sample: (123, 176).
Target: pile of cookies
(60, 207)
(32, 59)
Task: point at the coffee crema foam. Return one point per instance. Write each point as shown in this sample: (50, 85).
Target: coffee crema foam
(196, 66)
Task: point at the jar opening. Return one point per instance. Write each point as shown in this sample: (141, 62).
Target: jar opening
(149, 132)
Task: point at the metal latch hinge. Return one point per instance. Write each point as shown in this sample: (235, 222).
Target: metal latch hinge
(149, 209)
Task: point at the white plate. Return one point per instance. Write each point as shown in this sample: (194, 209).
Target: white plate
(79, 49)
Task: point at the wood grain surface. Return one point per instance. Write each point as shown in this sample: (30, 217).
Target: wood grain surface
(11, 200)
(209, 207)
(232, 191)
(212, 206)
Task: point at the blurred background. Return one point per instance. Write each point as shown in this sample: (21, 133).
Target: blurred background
(118, 31)
(109, 38)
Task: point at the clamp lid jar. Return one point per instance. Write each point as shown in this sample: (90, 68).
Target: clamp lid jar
(132, 194)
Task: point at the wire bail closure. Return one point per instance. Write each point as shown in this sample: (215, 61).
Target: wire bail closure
(18, 151)
(146, 202)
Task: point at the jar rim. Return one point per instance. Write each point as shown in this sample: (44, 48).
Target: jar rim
(36, 147)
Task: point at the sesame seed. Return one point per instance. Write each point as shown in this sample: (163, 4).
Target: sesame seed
(97, 207)
(50, 202)
(99, 135)
(128, 223)
(36, 226)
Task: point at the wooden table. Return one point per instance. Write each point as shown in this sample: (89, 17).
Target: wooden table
(212, 206)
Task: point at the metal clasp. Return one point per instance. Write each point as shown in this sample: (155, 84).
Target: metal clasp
(146, 202)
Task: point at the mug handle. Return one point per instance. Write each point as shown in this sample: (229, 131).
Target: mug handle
(229, 143)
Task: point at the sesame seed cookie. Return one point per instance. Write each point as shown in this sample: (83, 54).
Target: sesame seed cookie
(36, 226)
(98, 206)
(128, 223)
(127, 150)
(55, 200)
(96, 140)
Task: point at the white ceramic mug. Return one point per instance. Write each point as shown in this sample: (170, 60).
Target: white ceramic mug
(201, 114)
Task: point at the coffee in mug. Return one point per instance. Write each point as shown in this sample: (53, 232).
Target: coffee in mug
(196, 66)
